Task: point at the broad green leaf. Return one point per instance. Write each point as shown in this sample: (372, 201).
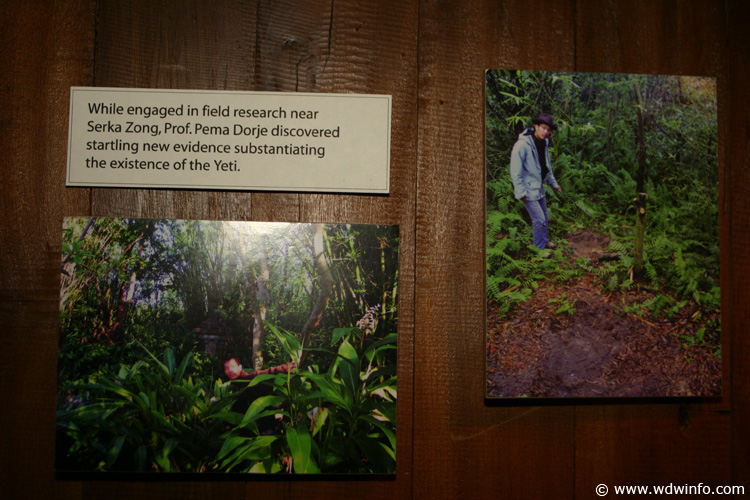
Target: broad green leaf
(300, 444)
(319, 418)
(380, 458)
(144, 400)
(141, 457)
(262, 468)
(331, 460)
(183, 366)
(386, 428)
(345, 333)
(349, 367)
(233, 418)
(165, 371)
(114, 450)
(230, 445)
(385, 392)
(255, 448)
(169, 360)
(118, 390)
(391, 338)
(256, 408)
(332, 391)
(162, 458)
(289, 343)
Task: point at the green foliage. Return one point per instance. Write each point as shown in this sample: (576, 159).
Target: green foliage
(566, 305)
(358, 394)
(151, 416)
(341, 419)
(138, 387)
(154, 416)
(595, 159)
(693, 339)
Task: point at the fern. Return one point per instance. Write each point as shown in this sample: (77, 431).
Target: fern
(627, 284)
(566, 306)
(618, 246)
(621, 189)
(494, 287)
(564, 275)
(613, 282)
(651, 273)
(657, 304)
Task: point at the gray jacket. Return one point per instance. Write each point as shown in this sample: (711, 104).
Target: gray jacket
(525, 169)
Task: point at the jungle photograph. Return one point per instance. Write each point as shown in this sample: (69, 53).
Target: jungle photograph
(602, 236)
(190, 346)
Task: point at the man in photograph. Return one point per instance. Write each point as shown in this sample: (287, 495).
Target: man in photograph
(530, 168)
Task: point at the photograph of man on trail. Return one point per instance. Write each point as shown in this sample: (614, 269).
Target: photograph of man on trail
(602, 235)
(191, 346)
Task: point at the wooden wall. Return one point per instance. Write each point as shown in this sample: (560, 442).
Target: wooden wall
(430, 56)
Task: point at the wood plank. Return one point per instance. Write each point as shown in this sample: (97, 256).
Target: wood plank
(177, 45)
(737, 139)
(616, 443)
(28, 352)
(46, 51)
(651, 445)
(46, 48)
(650, 37)
(461, 447)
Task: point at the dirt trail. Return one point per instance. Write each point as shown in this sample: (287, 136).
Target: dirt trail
(598, 350)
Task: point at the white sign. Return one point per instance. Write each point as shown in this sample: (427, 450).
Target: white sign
(191, 139)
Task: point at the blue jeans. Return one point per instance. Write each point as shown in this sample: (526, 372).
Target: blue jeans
(538, 212)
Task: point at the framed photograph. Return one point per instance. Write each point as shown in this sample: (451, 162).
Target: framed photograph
(214, 347)
(602, 236)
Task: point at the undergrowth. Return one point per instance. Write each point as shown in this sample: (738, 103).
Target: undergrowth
(677, 271)
(602, 158)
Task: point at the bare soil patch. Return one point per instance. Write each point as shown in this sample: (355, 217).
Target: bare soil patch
(586, 243)
(591, 347)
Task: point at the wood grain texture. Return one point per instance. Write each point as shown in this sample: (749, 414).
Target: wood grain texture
(651, 445)
(737, 143)
(46, 50)
(430, 56)
(47, 47)
(461, 447)
(668, 37)
(614, 443)
(185, 45)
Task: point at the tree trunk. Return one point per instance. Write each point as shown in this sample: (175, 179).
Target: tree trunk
(640, 201)
(640, 225)
(326, 285)
(261, 305)
(641, 180)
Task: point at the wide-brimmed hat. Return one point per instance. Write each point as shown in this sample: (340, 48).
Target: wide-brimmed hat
(546, 119)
